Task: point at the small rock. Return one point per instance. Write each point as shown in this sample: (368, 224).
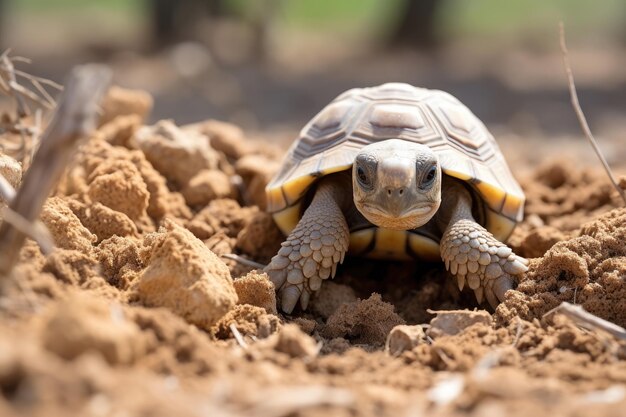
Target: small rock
(403, 337)
(451, 322)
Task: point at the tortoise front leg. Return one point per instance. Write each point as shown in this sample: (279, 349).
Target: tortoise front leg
(471, 253)
(313, 249)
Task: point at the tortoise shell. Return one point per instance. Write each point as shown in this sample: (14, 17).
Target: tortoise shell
(332, 139)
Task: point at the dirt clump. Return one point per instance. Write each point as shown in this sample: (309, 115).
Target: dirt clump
(330, 297)
(177, 154)
(103, 221)
(66, 229)
(86, 324)
(260, 238)
(207, 185)
(256, 289)
(587, 270)
(256, 172)
(122, 102)
(249, 320)
(120, 261)
(222, 215)
(295, 343)
(184, 276)
(224, 137)
(363, 321)
(119, 186)
(121, 130)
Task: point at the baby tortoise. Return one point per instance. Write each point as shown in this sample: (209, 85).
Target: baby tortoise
(395, 172)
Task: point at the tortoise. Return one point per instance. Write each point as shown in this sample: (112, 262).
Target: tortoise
(395, 172)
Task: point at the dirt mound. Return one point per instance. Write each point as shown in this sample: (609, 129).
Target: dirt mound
(136, 313)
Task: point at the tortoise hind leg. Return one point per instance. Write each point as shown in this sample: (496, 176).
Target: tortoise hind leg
(471, 253)
(313, 249)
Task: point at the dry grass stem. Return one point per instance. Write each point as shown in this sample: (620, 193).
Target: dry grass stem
(74, 119)
(587, 320)
(243, 261)
(7, 192)
(9, 83)
(237, 335)
(581, 116)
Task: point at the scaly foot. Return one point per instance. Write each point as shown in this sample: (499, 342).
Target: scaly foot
(475, 257)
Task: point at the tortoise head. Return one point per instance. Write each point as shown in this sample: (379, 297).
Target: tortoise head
(397, 184)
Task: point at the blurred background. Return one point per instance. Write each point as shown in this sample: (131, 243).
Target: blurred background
(269, 65)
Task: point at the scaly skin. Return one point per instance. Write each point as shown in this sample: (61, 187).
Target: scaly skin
(471, 253)
(314, 248)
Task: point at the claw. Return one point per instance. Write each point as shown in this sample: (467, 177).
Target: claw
(502, 285)
(304, 299)
(515, 268)
(460, 280)
(479, 292)
(288, 298)
(279, 262)
(491, 298)
(278, 277)
(333, 271)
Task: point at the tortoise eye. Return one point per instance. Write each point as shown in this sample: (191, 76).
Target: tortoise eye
(429, 179)
(362, 176)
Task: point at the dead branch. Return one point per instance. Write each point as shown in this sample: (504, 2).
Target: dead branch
(581, 116)
(587, 320)
(74, 119)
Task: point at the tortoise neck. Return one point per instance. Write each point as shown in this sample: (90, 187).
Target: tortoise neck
(335, 187)
(456, 204)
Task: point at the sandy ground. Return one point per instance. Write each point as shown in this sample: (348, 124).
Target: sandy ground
(135, 313)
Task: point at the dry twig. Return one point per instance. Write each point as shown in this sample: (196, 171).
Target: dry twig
(74, 119)
(581, 116)
(587, 320)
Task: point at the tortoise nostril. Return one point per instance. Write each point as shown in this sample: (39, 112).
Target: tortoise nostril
(397, 192)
